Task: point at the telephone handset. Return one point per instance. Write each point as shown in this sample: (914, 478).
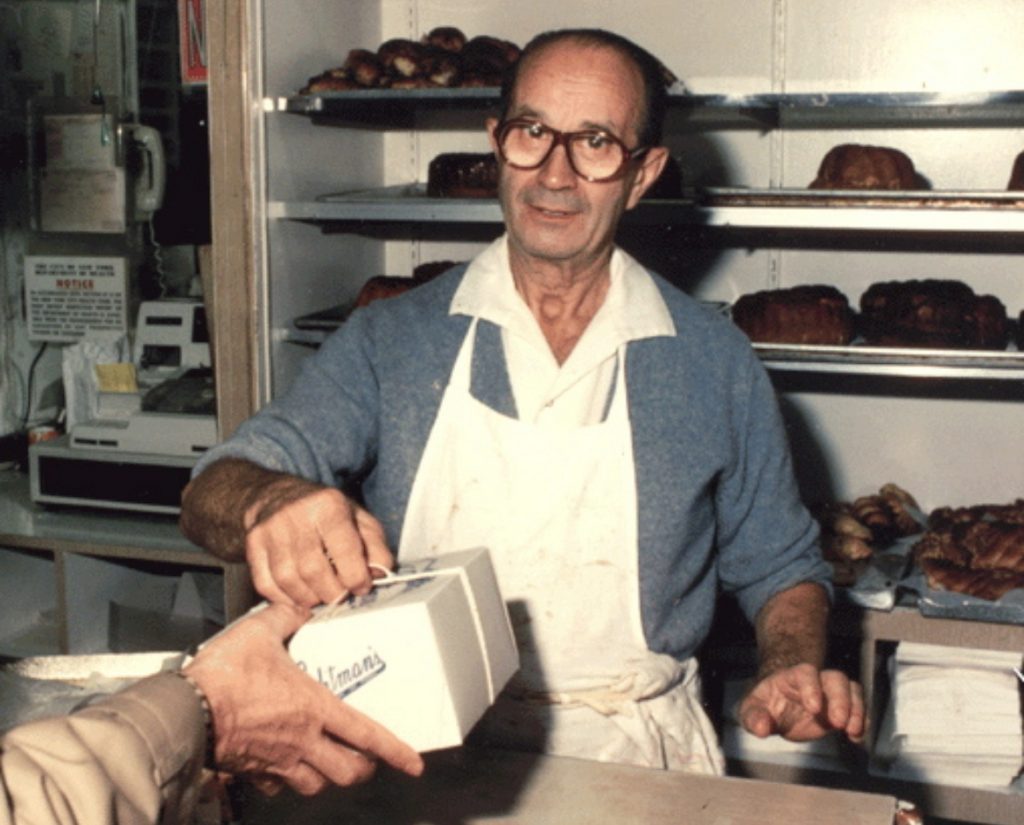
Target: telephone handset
(152, 177)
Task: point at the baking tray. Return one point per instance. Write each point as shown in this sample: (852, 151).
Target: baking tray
(1008, 609)
(846, 198)
(890, 576)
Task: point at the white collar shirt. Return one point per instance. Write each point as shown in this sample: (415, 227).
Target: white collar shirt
(575, 393)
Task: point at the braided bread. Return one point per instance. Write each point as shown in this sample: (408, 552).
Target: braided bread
(975, 550)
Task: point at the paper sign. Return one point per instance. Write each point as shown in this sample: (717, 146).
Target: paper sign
(70, 297)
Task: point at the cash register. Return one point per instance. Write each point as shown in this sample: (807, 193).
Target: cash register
(139, 450)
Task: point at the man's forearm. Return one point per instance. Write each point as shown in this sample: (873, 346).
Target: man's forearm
(791, 629)
(221, 504)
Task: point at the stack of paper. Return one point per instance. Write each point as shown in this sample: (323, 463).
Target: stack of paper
(954, 717)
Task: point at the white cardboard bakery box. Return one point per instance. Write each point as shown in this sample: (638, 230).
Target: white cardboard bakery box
(425, 653)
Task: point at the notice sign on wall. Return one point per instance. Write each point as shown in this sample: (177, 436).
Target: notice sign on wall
(71, 297)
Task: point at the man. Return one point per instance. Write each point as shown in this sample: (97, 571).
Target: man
(617, 448)
(138, 755)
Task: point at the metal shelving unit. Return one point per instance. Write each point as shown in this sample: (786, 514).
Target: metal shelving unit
(755, 209)
(988, 214)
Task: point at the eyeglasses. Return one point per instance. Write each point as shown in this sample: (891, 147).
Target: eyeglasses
(594, 155)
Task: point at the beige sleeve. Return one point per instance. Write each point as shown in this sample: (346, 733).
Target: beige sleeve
(132, 758)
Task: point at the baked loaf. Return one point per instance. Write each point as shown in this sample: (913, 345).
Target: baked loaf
(943, 518)
(475, 175)
(855, 166)
(463, 175)
(932, 313)
(1017, 173)
(809, 314)
(430, 269)
(383, 286)
(388, 286)
(976, 550)
(982, 584)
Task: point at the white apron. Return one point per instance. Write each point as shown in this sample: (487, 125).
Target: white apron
(557, 510)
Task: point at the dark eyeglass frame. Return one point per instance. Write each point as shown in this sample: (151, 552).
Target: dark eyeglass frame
(563, 139)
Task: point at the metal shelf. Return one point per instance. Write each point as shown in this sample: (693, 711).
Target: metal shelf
(991, 214)
(904, 362)
(400, 107)
(779, 209)
(894, 361)
(398, 204)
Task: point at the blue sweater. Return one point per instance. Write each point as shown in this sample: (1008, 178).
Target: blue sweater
(717, 501)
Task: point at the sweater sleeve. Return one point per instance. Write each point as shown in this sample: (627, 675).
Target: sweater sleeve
(132, 758)
(768, 541)
(325, 426)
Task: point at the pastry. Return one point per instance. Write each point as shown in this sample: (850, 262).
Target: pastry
(854, 530)
(448, 38)
(401, 57)
(485, 60)
(364, 68)
(333, 80)
(442, 58)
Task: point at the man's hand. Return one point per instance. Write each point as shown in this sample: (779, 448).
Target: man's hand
(277, 725)
(801, 703)
(305, 543)
(314, 548)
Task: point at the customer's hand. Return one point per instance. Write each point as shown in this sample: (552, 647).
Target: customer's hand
(276, 724)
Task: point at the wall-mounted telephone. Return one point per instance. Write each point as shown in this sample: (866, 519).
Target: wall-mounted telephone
(152, 177)
(86, 181)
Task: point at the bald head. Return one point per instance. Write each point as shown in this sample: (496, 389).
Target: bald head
(649, 70)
